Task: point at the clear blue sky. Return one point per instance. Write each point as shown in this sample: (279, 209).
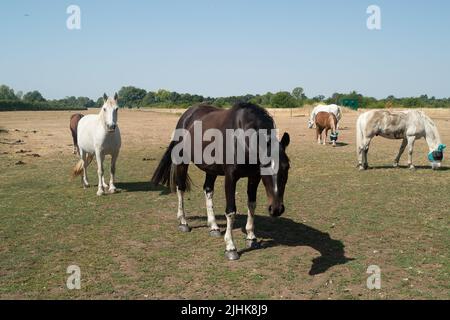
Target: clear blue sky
(226, 47)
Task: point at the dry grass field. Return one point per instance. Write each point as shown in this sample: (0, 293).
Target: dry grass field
(338, 222)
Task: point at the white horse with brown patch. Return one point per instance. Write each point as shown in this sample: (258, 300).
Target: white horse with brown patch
(99, 135)
(408, 125)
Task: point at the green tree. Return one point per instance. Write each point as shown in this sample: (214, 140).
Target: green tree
(283, 99)
(131, 96)
(6, 93)
(149, 99)
(298, 93)
(33, 96)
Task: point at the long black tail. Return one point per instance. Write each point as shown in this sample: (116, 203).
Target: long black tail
(166, 172)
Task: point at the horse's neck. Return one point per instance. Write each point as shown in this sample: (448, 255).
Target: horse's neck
(431, 134)
(101, 120)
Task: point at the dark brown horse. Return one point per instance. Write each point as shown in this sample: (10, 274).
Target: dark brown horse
(212, 122)
(74, 119)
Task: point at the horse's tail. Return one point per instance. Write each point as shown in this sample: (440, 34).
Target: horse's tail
(332, 119)
(78, 168)
(166, 172)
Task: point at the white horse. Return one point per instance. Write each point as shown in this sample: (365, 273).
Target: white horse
(99, 135)
(407, 125)
(331, 108)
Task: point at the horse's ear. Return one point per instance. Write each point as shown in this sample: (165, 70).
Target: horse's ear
(105, 97)
(116, 96)
(285, 140)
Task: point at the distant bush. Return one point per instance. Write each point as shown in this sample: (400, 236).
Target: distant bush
(18, 105)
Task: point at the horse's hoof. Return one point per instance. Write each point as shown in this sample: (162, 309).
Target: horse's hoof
(232, 255)
(215, 233)
(112, 191)
(412, 167)
(100, 192)
(184, 228)
(252, 244)
(395, 165)
(361, 168)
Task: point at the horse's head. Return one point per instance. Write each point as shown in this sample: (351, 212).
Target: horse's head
(275, 183)
(437, 156)
(310, 124)
(109, 111)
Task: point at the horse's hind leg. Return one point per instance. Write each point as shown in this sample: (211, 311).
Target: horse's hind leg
(252, 189)
(181, 176)
(208, 188)
(363, 154)
(84, 179)
(400, 152)
(75, 143)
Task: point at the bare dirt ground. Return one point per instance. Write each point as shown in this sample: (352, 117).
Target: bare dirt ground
(338, 222)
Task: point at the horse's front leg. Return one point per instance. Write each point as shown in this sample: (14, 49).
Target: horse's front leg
(252, 189)
(208, 188)
(400, 152)
(411, 141)
(100, 157)
(230, 213)
(112, 187)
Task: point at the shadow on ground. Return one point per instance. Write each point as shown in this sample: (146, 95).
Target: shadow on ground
(406, 167)
(143, 186)
(286, 232)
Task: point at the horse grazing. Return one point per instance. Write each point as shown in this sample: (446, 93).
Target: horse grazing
(325, 122)
(241, 119)
(331, 108)
(408, 125)
(99, 135)
(74, 119)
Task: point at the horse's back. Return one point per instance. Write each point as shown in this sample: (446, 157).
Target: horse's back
(325, 119)
(331, 108)
(195, 113)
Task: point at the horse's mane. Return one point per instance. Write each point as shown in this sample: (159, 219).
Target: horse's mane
(260, 112)
(426, 118)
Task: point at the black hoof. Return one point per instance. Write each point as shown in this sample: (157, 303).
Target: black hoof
(215, 233)
(184, 228)
(252, 244)
(232, 255)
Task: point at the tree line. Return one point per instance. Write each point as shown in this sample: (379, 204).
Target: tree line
(133, 97)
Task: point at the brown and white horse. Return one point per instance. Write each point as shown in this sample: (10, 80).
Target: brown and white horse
(214, 124)
(74, 119)
(325, 121)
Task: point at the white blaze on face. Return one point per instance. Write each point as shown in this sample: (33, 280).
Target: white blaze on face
(274, 177)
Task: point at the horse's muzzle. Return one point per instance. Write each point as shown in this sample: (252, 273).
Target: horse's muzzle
(112, 128)
(276, 211)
